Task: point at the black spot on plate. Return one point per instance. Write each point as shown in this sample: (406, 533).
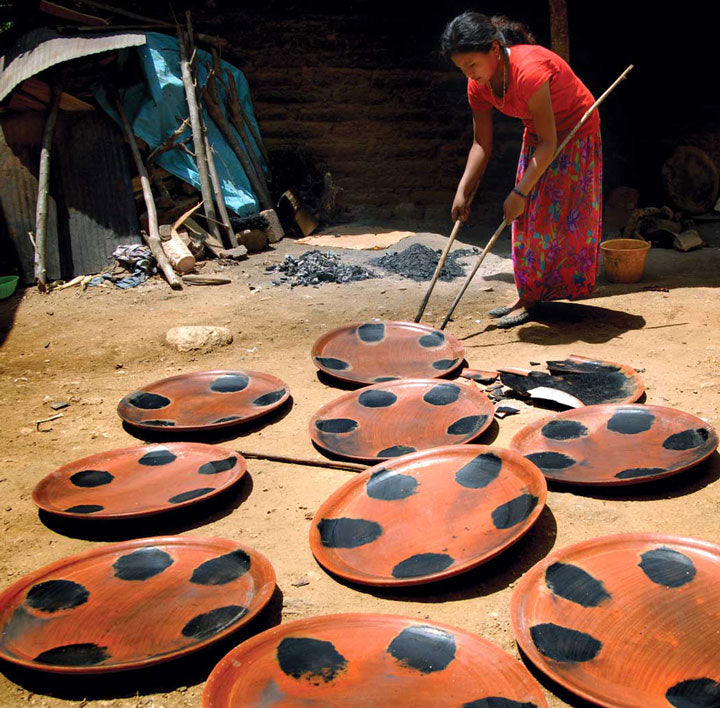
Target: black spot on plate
(227, 419)
(444, 364)
(159, 423)
(631, 421)
(56, 595)
(330, 363)
(230, 383)
(422, 564)
(142, 564)
(425, 649)
(551, 460)
(564, 644)
(222, 570)
(480, 471)
(498, 702)
(84, 509)
(217, 466)
(468, 425)
(148, 401)
(192, 494)
(91, 478)
(687, 439)
(695, 693)
(336, 425)
(348, 533)
(157, 457)
(383, 379)
(442, 394)
(668, 567)
(434, 339)
(515, 511)
(634, 472)
(314, 660)
(395, 451)
(390, 486)
(575, 584)
(564, 430)
(376, 399)
(269, 398)
(371, 332)
(74, 655)
(211, 623)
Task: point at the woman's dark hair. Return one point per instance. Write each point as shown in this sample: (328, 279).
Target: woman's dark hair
(475, 32)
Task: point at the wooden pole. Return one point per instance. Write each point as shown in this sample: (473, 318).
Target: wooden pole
(198, 133)
(219, 198)
(153, 238)
(559, 34)
(41, 208)
(502, 226)
(348, 466)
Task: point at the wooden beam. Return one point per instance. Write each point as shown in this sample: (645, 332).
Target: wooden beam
(559, 34)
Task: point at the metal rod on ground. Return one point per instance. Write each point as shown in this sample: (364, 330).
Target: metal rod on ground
(188, 78)
(219, 198)
(41, 208)
(153, 238)
(348, 466)
(438, 270)
(496, 235)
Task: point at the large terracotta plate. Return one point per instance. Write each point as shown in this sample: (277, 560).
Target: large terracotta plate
(370, 660)
(133, 604)
(627, 621)
(203, 400)
(616, 444)
(138, 481)
(428, 515)
(377, 351)
(394, 418)
(587, 381)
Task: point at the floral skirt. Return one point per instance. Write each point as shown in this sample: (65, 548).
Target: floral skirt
(556, 241)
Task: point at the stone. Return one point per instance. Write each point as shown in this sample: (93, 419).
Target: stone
(688, 241)
(253, 239)
(198, 338)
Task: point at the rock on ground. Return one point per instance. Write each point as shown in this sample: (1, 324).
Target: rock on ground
(198, 338)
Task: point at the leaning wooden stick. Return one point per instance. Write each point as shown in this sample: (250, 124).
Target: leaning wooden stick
(153, 238)
(348, 466)
(496, 235)
(219, 198)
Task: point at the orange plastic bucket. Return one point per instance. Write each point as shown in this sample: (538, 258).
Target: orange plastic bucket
(624, 259)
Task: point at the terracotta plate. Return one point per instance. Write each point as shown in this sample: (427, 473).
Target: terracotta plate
(397, 417)
(203, 400)
(132, 604)
(138, 481)
(380, 351)
(428, 515)
(616, 444)
(370, 660)
(626, 621)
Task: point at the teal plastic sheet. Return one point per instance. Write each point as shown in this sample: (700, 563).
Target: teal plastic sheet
(157, 106)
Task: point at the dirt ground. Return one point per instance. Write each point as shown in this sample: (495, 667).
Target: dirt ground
(91, 348)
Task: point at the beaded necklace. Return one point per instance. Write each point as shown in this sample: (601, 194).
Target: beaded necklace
(504, 84)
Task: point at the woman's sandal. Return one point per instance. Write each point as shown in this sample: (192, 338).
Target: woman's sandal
(514, 321)
(501, 311)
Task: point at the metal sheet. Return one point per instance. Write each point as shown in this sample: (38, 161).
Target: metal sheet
(42, 48)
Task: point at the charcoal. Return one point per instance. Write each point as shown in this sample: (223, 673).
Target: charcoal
(316, 268)
(254, 221)
(419, 262)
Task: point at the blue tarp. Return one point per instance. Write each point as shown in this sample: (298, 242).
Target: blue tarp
(157, 106)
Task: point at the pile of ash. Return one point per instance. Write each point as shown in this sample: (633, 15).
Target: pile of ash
(418, 262)
(315, 268)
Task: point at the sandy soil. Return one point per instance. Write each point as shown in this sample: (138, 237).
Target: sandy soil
(90, 348)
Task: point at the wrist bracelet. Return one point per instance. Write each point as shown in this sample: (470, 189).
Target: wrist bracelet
(518, 192)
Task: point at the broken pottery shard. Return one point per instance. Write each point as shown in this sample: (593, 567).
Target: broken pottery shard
(554, 394)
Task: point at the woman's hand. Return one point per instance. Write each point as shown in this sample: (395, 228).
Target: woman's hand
(514, 206)
(461, 205)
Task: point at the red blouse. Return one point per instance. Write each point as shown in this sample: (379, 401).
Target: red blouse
(530, 67)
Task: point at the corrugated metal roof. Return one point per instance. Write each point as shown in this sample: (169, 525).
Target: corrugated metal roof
(42, 48)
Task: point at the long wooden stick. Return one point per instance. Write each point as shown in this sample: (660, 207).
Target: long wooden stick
(153, 238)
(502, 226)
(349, 466)
(438, 270)
(41, 208)
(185, 41)
(219, 198)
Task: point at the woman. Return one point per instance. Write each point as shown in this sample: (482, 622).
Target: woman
(555, 206)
